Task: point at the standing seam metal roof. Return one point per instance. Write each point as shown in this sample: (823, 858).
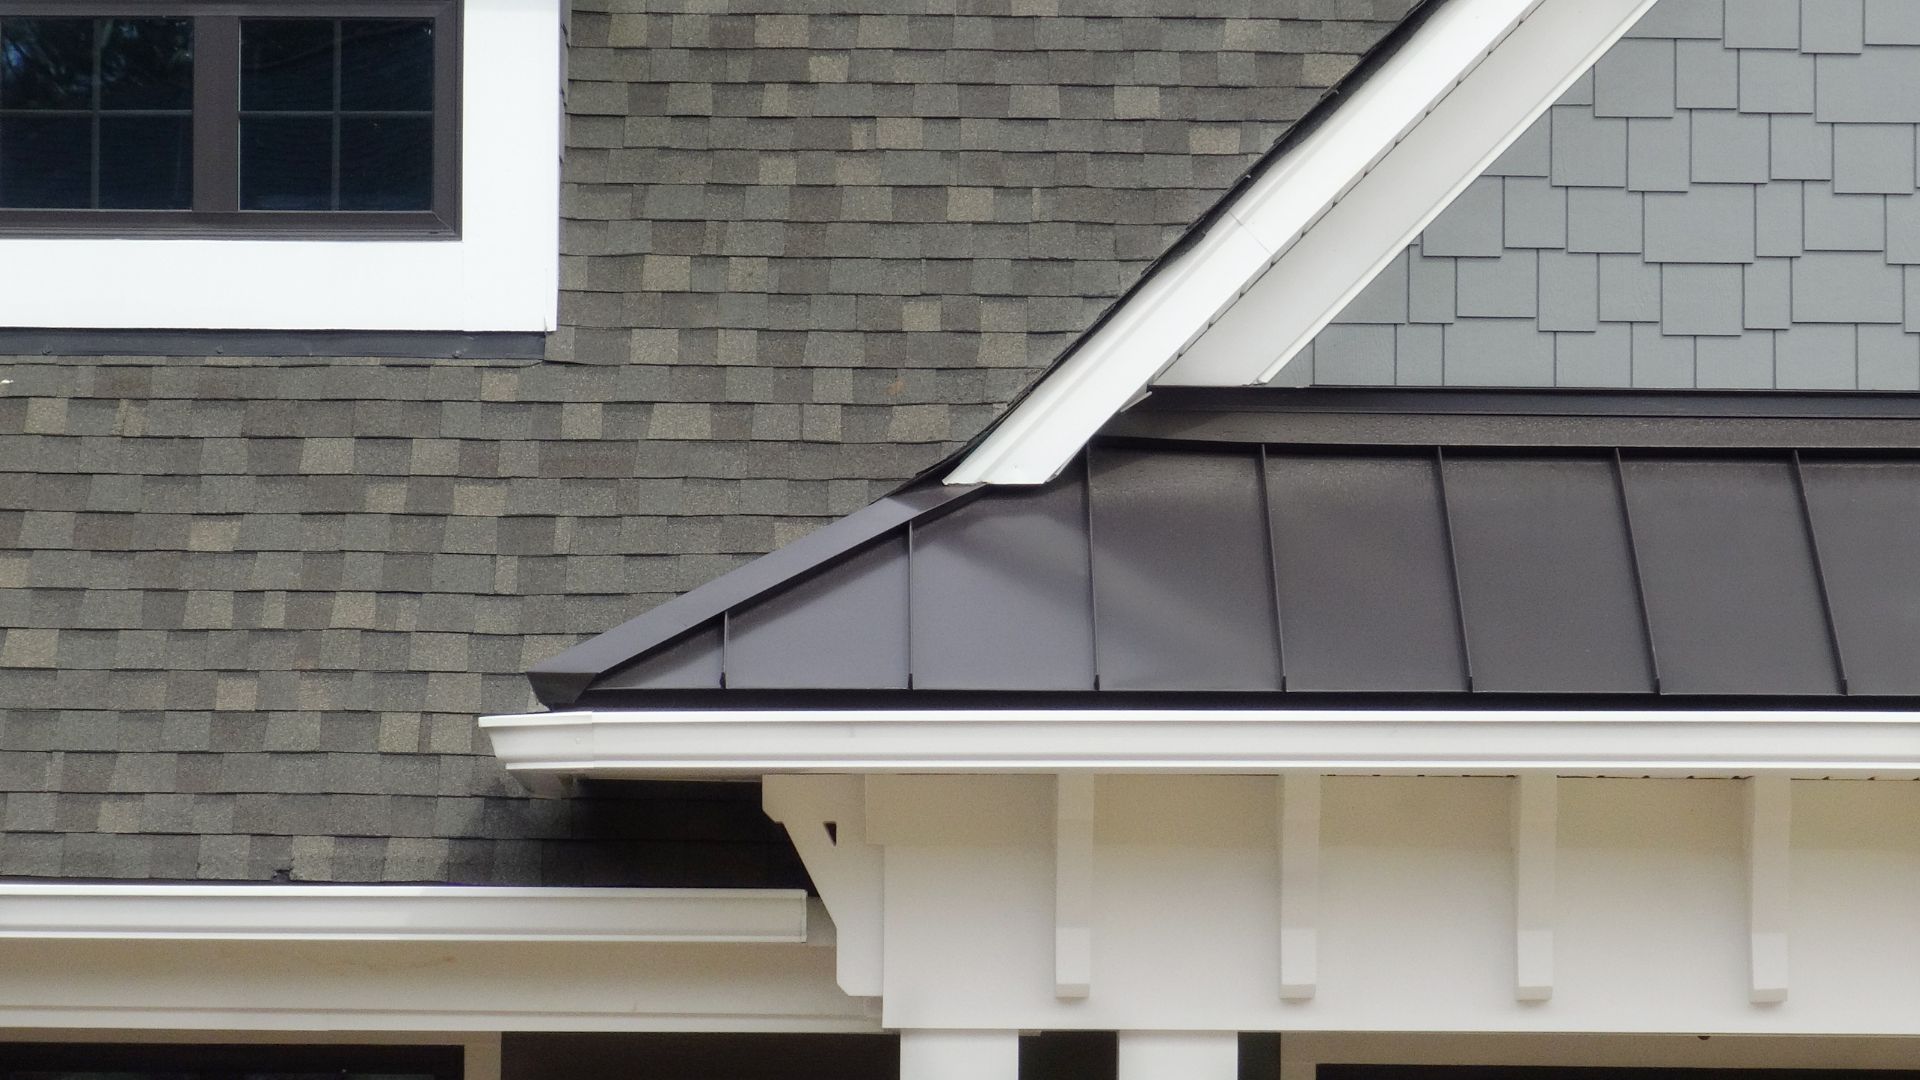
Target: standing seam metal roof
(1735, 562)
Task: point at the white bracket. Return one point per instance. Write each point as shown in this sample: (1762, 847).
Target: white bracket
(1299, 836)
(1536, 811)
(1769, 834)
(1073, 887)
(827, 818)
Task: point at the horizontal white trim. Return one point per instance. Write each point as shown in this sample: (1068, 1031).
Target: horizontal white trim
(400, 913)
(501, 274)
(544, 747)
(428, 985)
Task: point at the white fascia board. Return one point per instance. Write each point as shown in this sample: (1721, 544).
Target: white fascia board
(541, 748)
(501, 274)
(1293, 198)
(400, 913)
(1370, 225)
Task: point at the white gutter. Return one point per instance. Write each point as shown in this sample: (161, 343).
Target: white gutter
(400, 913)
(547, 749)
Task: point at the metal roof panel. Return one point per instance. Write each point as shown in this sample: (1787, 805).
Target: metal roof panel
(1365, 573)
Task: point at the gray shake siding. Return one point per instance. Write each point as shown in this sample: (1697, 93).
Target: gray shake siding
(250, 606)
(1727, 201)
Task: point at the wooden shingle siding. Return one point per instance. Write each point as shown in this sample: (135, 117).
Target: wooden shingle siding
(1745, 171)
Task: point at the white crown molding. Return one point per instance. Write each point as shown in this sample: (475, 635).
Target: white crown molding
(1330, 212)
(400, 913)
(546, 749)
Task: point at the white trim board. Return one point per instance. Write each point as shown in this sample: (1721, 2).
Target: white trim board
(501, 274)
(1317, 225)
(547, 749)
(426, 986)
(396, 913)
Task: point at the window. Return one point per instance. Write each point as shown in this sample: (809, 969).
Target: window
(485, 259)
(264, 117)
(186, 1061)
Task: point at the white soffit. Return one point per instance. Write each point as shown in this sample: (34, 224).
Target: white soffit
(1330, 213)
(545, 749)
(400, 913)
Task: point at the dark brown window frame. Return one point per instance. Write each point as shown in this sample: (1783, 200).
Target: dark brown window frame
(216, 129)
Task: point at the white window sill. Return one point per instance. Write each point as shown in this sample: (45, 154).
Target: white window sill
(502, 274)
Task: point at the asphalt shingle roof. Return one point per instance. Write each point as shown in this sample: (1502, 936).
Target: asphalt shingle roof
(251, 605)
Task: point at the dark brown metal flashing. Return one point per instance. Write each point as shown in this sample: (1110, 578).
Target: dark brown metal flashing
(382, 344)
(1680, 404)
(559, 681)
(1568, 701)
(1524, 419)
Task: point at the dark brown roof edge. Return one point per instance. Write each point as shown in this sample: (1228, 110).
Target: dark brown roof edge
(560, 680)
(1554, 419)
(1526, 401)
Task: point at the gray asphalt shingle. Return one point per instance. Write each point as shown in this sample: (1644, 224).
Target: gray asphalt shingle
(254, 602)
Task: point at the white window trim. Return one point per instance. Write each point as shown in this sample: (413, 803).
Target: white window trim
(547, 750)
(1330, 212)
(501, 274)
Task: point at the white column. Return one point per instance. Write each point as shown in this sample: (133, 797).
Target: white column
(1179, 1055)
(959, 1055)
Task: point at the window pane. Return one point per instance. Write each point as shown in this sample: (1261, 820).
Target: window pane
(386, 164)
(386, 64)
(146, 163)
(147, 64)
(286, 163)
(46, 63)
(286, 64)
(46, 162)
